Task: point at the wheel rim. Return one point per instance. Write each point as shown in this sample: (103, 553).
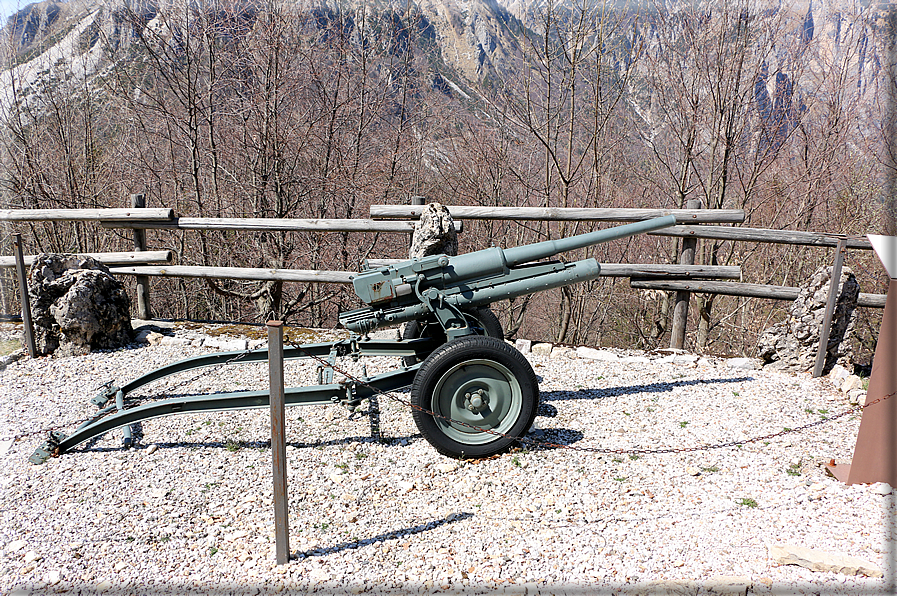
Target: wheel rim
(481, 393)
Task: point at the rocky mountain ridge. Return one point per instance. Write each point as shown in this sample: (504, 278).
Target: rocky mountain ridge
(470, 40)
(475, 38)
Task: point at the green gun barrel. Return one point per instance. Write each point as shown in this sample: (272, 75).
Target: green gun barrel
(533, 252)
(415, 288)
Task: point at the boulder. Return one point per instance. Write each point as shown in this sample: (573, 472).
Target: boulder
(857, 397)
(635, 360)
(434, 233)
(77, 306)
(838, 374)
(562, 352)
(686, 359)
(792, 344)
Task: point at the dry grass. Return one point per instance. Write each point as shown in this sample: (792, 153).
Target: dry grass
(8, 346)
(291, 334)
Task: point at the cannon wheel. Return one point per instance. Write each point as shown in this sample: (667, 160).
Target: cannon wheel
(481, 317)
(477, 381)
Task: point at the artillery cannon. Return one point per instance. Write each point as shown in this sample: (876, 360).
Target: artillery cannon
(472, 394)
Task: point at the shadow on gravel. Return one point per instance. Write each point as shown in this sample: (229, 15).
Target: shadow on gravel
(546, 411)
(548, 438)
(628, 390)
(329, 550)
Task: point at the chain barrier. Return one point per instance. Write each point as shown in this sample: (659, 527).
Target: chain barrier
(855, 263)
(536, 443)
(61, 425)
(202, 373)
(107, 411)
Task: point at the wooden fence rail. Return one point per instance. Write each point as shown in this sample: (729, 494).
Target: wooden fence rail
(271, 225)
(245, 273)
(86, 214)
(696, 216)
(345, 277)
(764, 235)
(107, 258)
(743, 289)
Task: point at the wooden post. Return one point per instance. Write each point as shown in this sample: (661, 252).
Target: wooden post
(680, 308)
(23, 294)
(822, 350)
(278, 441)
(4, 308)
(138, 201)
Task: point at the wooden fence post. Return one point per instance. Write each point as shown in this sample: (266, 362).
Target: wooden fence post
(822, 350)
(138, 201)
(23, 294)
(680, 308)
(4, 307)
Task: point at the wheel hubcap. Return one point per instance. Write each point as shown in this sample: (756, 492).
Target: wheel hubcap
(476, 401)
(479, 393)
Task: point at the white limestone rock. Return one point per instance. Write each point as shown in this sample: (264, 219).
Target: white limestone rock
(850, 383)
(524, 346)
(543, 349)
(594, 354)
(743, 363)
(561, 352)
(838, 374)
(819, 560)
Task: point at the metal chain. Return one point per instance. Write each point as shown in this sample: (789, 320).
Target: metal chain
(633, 451)
(58, 426)
(102, 413)
(855, 263)
(525, 440)
(202, 373)
(45, 430)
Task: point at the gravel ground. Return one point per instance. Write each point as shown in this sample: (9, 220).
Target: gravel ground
(189, 509)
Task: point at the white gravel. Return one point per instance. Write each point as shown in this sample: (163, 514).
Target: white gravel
(189, 509)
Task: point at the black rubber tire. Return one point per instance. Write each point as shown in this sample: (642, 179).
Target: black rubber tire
(460, 367)
(481, 318)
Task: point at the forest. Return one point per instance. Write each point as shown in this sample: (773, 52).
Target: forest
(256, 109)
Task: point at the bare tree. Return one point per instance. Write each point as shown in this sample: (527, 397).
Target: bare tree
(577, 69)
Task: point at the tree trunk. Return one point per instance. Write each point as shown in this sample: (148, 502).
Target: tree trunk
(566, 313)
(268, 299)
(705, 312)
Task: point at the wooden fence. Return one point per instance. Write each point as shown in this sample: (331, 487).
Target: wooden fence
(682, 278)
(689, 233)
